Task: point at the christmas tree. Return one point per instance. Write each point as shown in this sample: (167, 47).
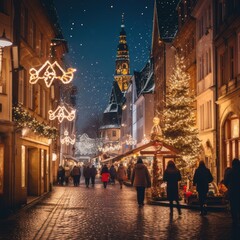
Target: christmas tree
(179, 119)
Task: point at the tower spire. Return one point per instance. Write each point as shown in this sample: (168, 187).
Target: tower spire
(122, 25)
(122, 71)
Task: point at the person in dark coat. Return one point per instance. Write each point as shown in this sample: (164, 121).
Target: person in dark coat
(105, 175)
(93, 173)
(140, 179)
(87, 175)
(121, 174)
(172, 176)
(113, 174)
(232, 181)
(61, 175)
(202, 177)
(76, 173)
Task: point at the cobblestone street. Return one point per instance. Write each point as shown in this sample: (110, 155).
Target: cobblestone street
(112, 213)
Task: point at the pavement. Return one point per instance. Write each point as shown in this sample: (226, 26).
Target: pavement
(70, 212)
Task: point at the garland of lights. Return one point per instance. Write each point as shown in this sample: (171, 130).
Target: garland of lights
(48, 73)
(22, 118)
(110, 148)
(130, 141)
(60, 113)
(66, 139)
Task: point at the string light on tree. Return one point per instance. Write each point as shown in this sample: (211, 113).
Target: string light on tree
(66, 139)
(62, 113)
(179, 117)
(50, 72)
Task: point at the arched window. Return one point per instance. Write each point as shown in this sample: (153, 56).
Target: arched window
(231, 139)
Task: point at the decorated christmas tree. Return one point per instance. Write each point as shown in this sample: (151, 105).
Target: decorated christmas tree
(179, 122)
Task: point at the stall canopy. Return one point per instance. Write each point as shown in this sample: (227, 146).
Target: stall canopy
(151, 148)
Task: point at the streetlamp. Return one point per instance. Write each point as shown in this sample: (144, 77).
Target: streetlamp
(4, 42)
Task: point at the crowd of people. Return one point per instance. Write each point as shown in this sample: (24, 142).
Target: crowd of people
(139, 177)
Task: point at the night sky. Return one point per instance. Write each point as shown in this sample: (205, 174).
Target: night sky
(92, 29)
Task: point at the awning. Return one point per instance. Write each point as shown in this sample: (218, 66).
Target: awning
(153, 147)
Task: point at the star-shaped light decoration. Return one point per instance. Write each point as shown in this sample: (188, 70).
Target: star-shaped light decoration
(66, 139)
(50, 72)
(62, 113)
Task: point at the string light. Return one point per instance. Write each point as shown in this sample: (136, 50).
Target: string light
(66, 139)
(62, 113)
(48, 73)
(130, 140)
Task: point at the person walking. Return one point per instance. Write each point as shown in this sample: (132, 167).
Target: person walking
(105, 175)
(140, 179)
(232, 182)
(75, 174)
(87, 175)
(202, 177)
(61, 175)
(113, 174)
(172, 176)
(121, 174)
(93, 173)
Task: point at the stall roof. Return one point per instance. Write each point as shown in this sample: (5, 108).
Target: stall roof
(148, 148)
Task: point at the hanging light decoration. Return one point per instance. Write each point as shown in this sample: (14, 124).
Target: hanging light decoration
(66, 139)
(49, 72)
(61, 113)
(110, 148)
(130, 140)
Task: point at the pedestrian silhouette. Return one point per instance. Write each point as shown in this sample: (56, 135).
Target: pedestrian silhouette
(172, 176)
(202, 177)
(87, 175)
(105, 175)
(121, 174)
(140, 179)
(93, 173)
(232, 181)
(113, 174)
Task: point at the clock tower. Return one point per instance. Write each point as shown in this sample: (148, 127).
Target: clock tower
(122, 72)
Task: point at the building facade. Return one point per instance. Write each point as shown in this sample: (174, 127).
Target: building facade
(205, 83)
(29, 138)
(227, 60)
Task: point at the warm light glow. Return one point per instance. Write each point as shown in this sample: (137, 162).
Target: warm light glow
(66, 139)
(130, 140)
(54, 157)
(50, 72)
(61, 113)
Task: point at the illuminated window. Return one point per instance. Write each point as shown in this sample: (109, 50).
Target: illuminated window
(23, 166)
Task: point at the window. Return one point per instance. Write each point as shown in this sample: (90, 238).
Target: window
(21, 86)
(210, 60)
(23, 166)
(30, 96)
(231, 55)
(238, 56)
(209, 115)
(3, 6)
(114, 133)
(32, 33)
(44, 103)
(202, 117)
(24, 21)
(222, 69)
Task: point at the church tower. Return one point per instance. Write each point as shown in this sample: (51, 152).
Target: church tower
(122, 72)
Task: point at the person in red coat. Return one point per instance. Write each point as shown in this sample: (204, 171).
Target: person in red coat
(105, 175)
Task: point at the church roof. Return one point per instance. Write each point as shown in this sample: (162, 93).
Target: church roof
(167, 18)
(144, 79)
(113, 111)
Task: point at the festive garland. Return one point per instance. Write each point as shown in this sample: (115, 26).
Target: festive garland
(23, 119)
